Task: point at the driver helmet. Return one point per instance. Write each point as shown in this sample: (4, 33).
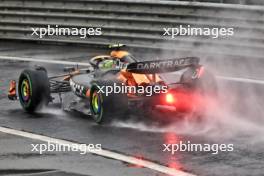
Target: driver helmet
(116, 46)
(107, 64)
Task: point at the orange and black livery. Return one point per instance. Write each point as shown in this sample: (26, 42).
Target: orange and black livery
(36, 88)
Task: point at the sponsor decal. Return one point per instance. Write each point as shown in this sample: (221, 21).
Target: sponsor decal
(78, 89)
(165, 64)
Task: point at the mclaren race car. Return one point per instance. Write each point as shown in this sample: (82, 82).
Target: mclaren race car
(115, 83)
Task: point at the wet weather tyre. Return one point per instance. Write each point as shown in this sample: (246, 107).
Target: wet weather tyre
(33, 89)
(206, 84)
(106, 107)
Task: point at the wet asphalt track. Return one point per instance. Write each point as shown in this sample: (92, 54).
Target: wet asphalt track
(140, 138)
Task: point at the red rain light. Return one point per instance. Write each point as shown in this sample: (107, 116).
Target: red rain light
(200, 72)
(169, 98)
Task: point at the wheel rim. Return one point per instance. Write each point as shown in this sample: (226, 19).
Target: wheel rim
(96, 103)
(25, 90)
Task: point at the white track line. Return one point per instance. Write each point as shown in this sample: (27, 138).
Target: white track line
(43, 60)
(246, 80)
(104, 153)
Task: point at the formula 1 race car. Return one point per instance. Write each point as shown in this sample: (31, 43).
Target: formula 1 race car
(115, 83)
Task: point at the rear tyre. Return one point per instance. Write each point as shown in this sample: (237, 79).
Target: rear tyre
(33, 89)
(204, 85)
(105, 107)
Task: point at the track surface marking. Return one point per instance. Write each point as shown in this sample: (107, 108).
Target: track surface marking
(103, 152)
(246, 80)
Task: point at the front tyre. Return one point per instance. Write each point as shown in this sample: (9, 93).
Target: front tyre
(33, 89)
(105, 107)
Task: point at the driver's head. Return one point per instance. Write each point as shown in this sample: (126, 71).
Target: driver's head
(118, 51)
(117, 47)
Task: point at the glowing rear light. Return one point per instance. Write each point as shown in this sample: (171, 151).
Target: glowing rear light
(169, 98)
(200, 72)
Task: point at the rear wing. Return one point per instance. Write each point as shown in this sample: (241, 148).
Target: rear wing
(162, 66)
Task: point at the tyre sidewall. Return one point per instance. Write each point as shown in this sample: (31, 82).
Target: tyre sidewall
(113, 105)
(39, 89)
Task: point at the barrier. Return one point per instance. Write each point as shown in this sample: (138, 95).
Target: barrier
(139, 24)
